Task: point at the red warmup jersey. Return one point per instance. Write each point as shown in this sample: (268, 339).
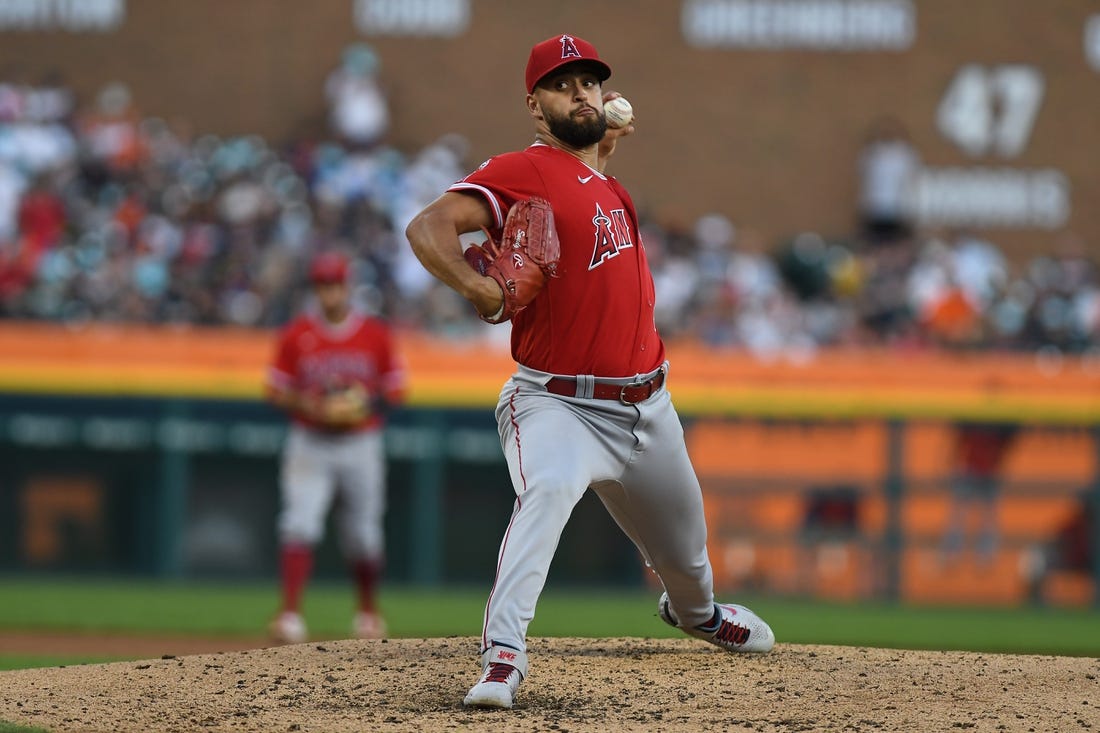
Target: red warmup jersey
(316, 357)
(596, 317)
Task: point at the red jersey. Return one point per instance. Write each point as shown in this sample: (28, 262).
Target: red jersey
(596, 316)
(317, 357)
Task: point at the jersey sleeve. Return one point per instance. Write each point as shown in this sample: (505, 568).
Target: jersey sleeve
(501, 181)
(392, 370)
(282, 372)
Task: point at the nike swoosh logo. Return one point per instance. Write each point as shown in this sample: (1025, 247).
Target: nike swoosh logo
(584, 180)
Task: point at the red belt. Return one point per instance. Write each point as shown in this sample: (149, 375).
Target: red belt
(628, 394)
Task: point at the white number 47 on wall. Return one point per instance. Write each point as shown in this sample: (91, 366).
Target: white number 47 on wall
(991, 110)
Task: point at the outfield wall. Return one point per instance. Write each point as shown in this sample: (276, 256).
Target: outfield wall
(149, 451)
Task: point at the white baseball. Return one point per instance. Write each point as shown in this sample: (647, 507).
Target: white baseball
(618, 111)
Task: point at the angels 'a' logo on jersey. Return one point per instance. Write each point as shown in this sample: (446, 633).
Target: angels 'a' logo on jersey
(612, 235)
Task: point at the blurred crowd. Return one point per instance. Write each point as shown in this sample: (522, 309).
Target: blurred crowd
(107, 214)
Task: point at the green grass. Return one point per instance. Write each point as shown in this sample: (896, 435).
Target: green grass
(13, 728)
(236, 609)
(16, 661)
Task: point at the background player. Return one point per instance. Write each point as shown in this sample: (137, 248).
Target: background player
(336, 371)
(587, 406)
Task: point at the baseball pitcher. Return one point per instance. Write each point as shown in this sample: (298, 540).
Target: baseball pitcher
(588, 406)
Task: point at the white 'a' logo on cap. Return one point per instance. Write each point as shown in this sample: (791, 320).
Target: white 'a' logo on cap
(568, 48)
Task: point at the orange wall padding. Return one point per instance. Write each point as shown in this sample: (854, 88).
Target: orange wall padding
(229, 363)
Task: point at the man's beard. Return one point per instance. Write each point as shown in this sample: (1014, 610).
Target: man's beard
(577, 132)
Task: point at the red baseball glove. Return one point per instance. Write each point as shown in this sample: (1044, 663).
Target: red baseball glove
(525, 257)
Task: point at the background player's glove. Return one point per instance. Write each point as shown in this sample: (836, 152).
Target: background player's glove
(525, 257)
(345, 407)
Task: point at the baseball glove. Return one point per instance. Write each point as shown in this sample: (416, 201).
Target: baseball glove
(525, 257)
(345, 407)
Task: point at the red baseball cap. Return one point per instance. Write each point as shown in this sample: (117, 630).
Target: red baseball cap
(557, 51)
(328, 267)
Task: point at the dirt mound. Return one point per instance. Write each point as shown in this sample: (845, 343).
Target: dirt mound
(574, 685)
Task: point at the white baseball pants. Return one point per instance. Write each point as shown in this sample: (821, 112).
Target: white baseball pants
(634, 458)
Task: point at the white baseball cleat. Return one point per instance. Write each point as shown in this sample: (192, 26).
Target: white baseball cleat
(504, 669)
(738, 629)
(368, 626)
(288, 628)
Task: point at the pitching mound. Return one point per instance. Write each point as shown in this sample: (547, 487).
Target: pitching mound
(575, 685)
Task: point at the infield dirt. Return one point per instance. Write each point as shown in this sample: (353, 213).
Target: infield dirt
(577, 685)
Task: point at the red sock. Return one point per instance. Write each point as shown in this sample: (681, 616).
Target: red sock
(366, 574)
(295, 566)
